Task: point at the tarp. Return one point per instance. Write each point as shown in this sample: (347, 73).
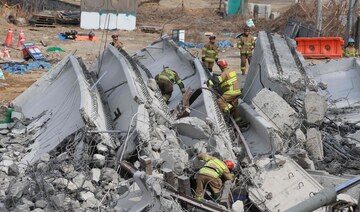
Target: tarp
(224, 44)
(22, 68)
(221, 44)
(84, 37)
(78, 37)
(55, 49)
(62, 37)
(187, 45)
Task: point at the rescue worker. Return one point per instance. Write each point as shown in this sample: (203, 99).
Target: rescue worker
(229, 89)
(165, 80)
(350, 50)
(210, 53)
(116, 43)
(246, 44)
(211, 175)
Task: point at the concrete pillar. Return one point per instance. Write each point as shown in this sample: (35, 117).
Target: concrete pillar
(184, 185)
(146, 164)
(184, 188)
(169, 177)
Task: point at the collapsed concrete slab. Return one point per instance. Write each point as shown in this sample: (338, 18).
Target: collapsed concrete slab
(277, 111)
(62, 103)
(123, 88)
(261, 137)
(275, 65)
(341, 77)
(164, 52)
(279, 179)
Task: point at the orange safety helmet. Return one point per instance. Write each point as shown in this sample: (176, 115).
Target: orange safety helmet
(229, 164)
(222, 64)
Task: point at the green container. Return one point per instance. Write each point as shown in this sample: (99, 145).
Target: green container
(233, 6)
(7, 116)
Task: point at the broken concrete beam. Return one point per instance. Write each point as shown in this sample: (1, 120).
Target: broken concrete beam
(264, 69)
(146, 164)
(169, 177)
(314, 144)
(226, 195)
(17, 115)
(277, 111)
(315, 107)
(300, 137)
(175, 159)
(193, 127)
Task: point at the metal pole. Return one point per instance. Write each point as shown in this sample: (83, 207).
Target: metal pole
(349, 19)
(324, 197)
(319, 15)
(347, 185)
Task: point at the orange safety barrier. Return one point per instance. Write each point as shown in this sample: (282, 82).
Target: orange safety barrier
(320, 47)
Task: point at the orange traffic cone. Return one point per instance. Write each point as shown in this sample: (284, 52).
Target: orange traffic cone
(21, 39)
(8, 41)
(20, 42)
(1, 54)
(6, 52)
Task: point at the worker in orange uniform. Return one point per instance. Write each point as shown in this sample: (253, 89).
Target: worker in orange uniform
(229, 89)
(116, 43)
(210, 53)
(350, 50)
(246, 44)
(165, 80)
(211, 174)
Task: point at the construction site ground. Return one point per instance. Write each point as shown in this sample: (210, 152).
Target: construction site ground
(195, 18)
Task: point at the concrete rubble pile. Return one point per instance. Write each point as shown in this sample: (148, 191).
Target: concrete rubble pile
(103, 139)
(72, 127)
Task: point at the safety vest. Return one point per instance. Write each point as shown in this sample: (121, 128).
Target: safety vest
(350, 52)
(246, 44)
(210, 52)
(169, 75)
(213, 168)
(228, 83)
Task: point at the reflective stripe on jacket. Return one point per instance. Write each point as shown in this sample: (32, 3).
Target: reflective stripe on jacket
(214, 168)
(350, 52)
(210, 52)
(228, 83)
(246, 44)
(170, 75)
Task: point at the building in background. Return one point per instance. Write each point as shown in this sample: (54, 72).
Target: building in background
(108, 14)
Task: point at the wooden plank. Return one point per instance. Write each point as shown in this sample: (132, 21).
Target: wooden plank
(45, 25)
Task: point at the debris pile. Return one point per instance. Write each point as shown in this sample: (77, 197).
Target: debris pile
(104, 139)
(305, 11)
